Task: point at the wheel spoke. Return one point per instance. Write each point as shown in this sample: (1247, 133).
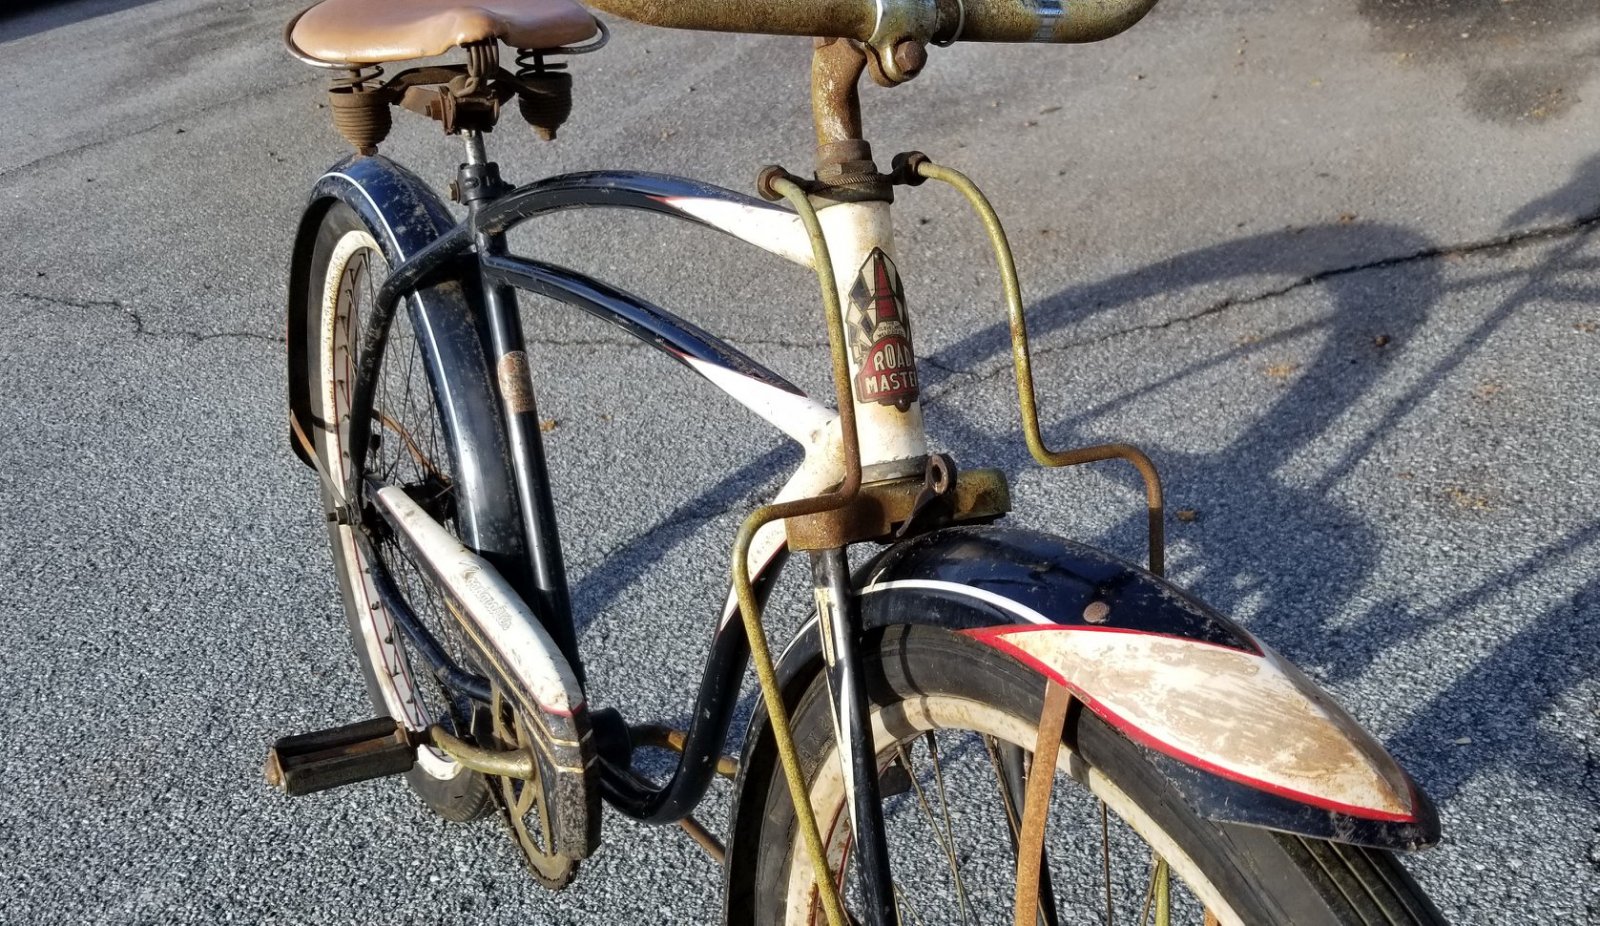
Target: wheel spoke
(411, 445)
(1105, 859)
(942, 835)
(904, 904)
(1007, 800)
(949, 825)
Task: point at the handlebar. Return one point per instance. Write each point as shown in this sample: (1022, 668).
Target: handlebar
(884, 23)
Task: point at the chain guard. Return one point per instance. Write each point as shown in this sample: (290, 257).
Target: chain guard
(523, 802)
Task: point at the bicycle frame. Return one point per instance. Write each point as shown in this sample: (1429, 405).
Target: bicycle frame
(1241, 734)
(948, 590)
(810, 423)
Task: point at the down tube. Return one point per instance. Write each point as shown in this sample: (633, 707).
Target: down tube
(812, 425)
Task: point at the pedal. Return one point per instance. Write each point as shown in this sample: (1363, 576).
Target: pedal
(311, 762)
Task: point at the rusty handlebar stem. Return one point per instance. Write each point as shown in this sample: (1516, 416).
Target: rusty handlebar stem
(886, 23)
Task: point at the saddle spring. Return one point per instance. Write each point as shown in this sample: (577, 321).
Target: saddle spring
(544, 92)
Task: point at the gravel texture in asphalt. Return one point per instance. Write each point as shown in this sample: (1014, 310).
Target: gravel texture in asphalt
(1332, 264)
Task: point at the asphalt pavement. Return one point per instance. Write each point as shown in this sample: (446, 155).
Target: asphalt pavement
(1333, 264)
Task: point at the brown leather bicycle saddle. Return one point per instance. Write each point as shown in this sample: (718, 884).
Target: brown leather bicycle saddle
(375, 31)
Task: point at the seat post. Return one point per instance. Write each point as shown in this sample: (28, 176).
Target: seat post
(477, 152)
(478, 178)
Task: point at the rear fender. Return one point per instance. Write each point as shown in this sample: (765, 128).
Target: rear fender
(411, 216)
(1241, 733)
(404, 215)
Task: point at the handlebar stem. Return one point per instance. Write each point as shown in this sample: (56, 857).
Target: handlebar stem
(836, 68)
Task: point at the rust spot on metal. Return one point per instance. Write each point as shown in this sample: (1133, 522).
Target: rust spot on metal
(882, 507)
(516, 387)
(836, 67)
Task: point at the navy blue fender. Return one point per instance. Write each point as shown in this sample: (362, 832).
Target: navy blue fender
(1241, 733)
(404, 215)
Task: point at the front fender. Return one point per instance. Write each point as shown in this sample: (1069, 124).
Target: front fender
(1239, 731)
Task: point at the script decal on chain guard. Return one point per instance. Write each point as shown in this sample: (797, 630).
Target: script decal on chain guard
(880, 339)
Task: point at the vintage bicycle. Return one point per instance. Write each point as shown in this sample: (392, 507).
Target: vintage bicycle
(979, 724)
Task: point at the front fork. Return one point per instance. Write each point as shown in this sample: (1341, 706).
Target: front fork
(839, 622)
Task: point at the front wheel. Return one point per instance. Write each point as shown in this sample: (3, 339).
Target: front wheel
(953, 724)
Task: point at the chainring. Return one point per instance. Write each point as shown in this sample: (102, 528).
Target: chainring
(523, 802)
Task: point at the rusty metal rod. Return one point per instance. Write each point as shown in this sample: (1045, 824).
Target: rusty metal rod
(664, 737)
(704, 839)
(1154, 502)
(750, 605)
(1036, 801)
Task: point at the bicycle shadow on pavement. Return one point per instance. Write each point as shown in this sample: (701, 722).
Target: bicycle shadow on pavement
(1301, 553)
(1298, 554)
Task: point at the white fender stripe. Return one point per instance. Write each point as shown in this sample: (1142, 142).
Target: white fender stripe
(967, 591)
(1235, 714)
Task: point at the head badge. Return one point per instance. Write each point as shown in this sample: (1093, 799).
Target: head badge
(880, 341)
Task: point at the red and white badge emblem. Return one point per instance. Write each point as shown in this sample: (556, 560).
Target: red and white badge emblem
(880, 339)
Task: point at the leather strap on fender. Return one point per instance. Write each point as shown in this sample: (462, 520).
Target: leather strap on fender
(1036, 807)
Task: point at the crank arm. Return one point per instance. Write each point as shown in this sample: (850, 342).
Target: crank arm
(512, 763)
(310, 762)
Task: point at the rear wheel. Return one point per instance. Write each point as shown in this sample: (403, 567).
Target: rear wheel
(410, 448)
(954, 723)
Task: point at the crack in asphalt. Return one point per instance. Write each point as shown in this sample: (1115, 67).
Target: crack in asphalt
(1507, 242)
(140, 329)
